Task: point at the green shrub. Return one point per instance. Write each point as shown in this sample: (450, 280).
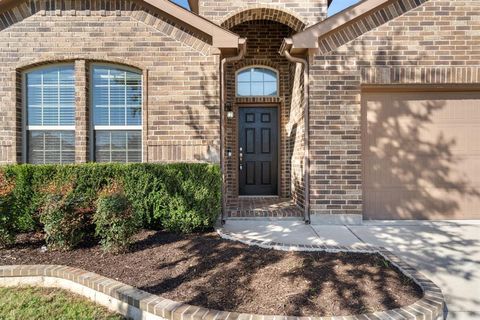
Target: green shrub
(8, 225)
(64, 217)
(192, 201)
(177, 197)
(115, 220)
(8, 221)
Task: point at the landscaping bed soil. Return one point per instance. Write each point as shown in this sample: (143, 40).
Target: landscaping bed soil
(205, 270)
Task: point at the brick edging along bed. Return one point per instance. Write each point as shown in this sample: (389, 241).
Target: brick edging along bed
(138, 304)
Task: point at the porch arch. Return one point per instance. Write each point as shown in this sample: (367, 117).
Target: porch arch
(256, 62)
(264, 12)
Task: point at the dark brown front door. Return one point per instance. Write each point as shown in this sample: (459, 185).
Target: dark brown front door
(258, 151)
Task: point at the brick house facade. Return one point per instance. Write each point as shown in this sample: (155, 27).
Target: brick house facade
(363, 98)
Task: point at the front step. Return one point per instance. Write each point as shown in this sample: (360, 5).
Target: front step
(264, 219)
(247, 208)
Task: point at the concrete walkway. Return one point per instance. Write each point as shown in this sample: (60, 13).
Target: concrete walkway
(447, 252)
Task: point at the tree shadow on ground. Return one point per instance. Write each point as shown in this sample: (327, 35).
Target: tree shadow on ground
(220, 266)
(447, 252)
(228, 276)
(207, 271)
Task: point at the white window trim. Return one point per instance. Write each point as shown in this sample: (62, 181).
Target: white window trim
(25, 127)
(259, 67)
(50, 128)
(116, 127)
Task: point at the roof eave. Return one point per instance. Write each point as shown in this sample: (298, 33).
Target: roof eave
(308, 38)
(194, 6)
(221, 38)
(287, 45)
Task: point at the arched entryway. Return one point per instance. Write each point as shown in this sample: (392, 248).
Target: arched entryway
(263, 12)
(264, 134)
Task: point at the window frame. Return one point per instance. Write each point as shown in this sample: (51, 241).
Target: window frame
(258, 67)
(24, 112)
(94, 128)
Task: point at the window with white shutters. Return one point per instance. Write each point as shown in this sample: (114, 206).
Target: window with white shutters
(117, 114)
(50, 114)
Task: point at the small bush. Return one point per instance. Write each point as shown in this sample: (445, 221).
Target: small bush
(63, 216)
(8, 221)
(115, 220)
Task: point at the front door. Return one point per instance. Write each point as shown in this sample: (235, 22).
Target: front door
(258, 151)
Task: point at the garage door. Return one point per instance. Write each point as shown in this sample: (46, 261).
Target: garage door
(421, 155)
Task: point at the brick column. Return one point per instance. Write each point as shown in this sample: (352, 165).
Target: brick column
(81, 112)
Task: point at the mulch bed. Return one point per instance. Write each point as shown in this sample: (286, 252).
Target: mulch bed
(205, 270)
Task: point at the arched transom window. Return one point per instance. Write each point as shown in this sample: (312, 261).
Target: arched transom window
(257, 82)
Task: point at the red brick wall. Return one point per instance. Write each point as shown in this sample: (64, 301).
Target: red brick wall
(437, 42)
(181, 71)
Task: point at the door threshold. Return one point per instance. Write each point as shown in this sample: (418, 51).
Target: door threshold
(231, 219)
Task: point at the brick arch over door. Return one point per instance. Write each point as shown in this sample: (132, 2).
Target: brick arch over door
(263, 12)
(255, 63)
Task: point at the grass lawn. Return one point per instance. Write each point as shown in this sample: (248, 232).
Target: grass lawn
(43, 303)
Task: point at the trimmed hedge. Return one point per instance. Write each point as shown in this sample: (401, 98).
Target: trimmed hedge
(176, 197)
(115, 220)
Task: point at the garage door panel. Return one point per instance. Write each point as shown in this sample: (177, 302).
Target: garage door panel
(421, 154)
(386, 173)
(419, 203)
(442, 107)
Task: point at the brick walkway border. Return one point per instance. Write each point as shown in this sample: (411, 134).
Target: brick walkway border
(138, 304)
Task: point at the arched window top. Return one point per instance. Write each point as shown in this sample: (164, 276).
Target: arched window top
(51, 95)
(257, 82)
(117, 95)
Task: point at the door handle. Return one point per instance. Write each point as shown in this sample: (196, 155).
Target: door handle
(240, 156)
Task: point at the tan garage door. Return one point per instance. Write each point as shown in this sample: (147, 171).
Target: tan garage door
(421, 155)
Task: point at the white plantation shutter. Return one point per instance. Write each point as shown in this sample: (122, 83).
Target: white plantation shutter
(117, 104)
(50, 118)
(51, 146)
(118, 146)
